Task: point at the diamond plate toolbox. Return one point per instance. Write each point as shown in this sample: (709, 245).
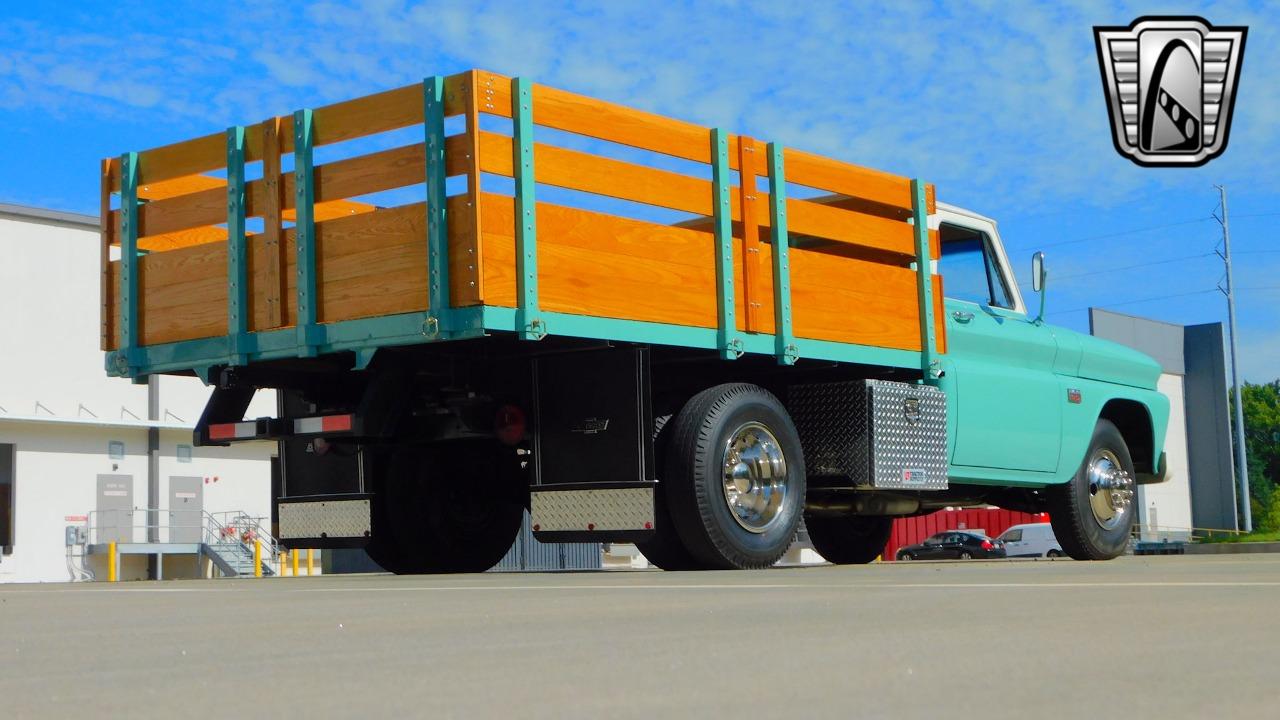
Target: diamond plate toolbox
(877, 433)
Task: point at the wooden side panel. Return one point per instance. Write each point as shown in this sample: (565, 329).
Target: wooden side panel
(372, 264)
(368, 265)
(594, 264)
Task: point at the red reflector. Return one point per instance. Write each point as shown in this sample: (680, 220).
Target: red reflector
(648, 526)
(591, 526)
(222, 431)
(536, 528)
(509, 424)
(335, 423)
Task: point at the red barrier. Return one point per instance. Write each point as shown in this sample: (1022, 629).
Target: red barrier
(990, 520)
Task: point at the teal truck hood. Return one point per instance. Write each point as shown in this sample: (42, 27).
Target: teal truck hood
(1089, 357)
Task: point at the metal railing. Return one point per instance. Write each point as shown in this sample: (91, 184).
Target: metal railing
(121, 525)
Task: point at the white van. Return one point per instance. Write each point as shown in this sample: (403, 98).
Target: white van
(1031, 540)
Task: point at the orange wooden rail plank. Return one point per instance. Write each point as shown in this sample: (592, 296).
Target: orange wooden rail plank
(834, 176)
(106, 230)
(270, 282)
(380, 112)
(335, 181)
(477, 89)
(615, 178)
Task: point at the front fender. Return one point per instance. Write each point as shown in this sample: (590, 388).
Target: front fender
(1079, 420)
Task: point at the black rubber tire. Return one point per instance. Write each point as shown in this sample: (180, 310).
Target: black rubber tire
(966, 556)
(905, 557)
(451, 508)
(695, 489)
(850, 540)
(1053, 554)
(1072, 519)
(664, 549)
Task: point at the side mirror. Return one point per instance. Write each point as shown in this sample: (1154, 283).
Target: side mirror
(1039, 275)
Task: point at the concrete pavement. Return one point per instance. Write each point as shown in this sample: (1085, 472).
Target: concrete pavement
(1157, 637)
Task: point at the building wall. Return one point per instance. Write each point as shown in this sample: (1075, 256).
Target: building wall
(60, 409)
(55, 484)
(1164, 509)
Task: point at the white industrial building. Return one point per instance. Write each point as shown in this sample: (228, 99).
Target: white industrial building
(78, 447)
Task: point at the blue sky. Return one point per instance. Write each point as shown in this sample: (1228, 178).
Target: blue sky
(999, 104)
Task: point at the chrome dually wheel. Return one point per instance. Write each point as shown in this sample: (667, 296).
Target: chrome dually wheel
(755, 477)
(1110, 489)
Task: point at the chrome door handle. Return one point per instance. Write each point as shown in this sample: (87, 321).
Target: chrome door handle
(961, 316)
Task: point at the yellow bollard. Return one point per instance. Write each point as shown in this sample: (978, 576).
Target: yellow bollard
(284, 562)
(294, 555)
(111, 561)
(310, 553)
(257, 558)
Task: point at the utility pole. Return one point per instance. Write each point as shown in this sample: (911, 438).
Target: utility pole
(1242, 462)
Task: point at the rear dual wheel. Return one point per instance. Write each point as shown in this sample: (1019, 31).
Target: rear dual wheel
(732, 482)
(454, 507)
(849, 540)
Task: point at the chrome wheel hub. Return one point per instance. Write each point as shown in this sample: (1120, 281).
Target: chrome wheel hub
(755, 477)
(1110, 489)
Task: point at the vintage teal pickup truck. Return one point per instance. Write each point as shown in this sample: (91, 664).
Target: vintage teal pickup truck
(632, 327)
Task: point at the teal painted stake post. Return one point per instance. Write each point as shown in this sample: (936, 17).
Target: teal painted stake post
(929, 365)
(437, 228)
(305, 231)
(237, 260)
(128, 261)
(785, 341)
(731, 347)
(531, 327)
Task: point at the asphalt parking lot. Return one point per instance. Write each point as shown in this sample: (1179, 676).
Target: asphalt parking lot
(1167, 637)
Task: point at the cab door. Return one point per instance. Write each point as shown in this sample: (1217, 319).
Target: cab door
(999, 367)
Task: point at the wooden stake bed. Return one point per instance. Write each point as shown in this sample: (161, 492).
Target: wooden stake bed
(187, 287)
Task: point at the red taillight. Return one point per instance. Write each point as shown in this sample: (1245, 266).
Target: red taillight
(509, 424)
(986, 545)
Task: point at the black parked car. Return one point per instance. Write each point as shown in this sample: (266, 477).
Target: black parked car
(953, 545)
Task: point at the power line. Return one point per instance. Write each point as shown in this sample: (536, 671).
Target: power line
(1136, 302)
(1122, 233)
(1131, 267)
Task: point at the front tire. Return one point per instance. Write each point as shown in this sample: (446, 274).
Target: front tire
(1093, 513)
(849, 540)
(735, 477)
